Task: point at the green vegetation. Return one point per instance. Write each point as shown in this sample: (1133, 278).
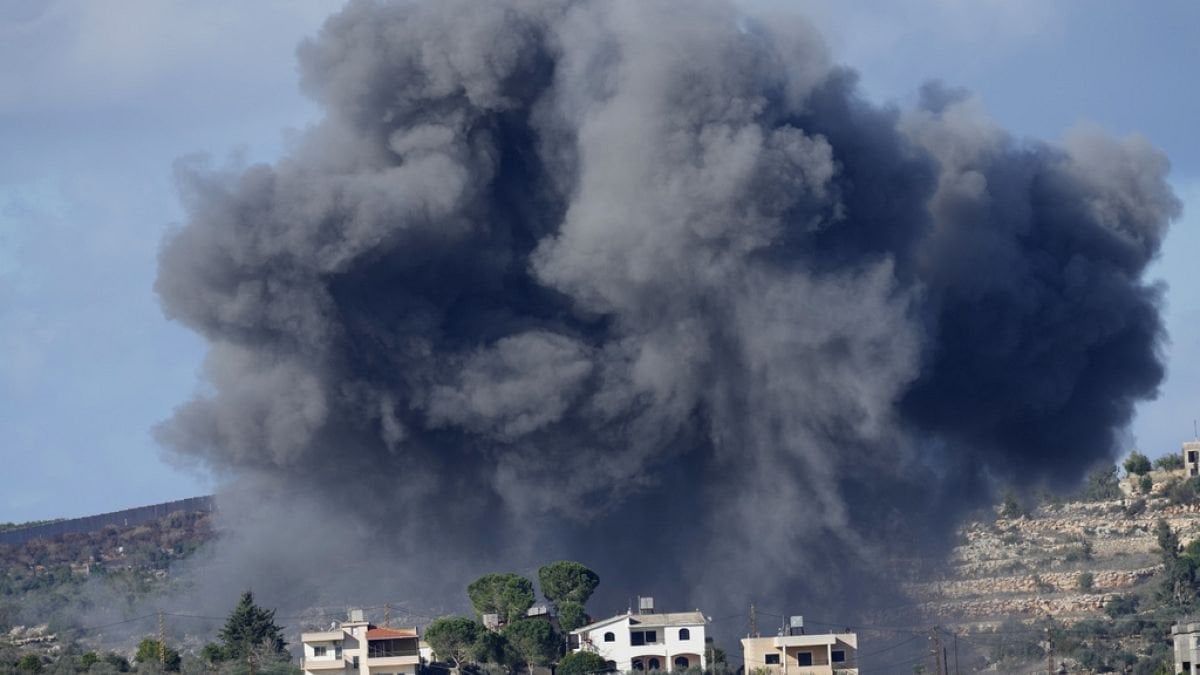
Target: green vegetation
(1137, 464)
(507, 595)
(567, 581)
(148, 655)
(1101, 485)
(581, 663)
(453, 639)
(533, 640)
(1170, 462)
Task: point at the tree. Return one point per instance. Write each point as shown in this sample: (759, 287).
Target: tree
(533, 640)
(87, 660)
(493, 648)
(1137, 464)
(567, 581)
(1170, 462)
(1102, 485)
(571, 616)
(581, 663)
(248, 628)
(508, 595)
(453, 639)
(30, 663)
(147, 654)
(212, 653)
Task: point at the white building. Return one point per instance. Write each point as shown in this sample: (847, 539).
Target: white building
(360, 648)
(1186, 637)
(646, 641)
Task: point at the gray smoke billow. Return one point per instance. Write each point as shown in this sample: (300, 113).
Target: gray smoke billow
(649, 285)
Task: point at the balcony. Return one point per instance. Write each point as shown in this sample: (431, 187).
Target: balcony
(324, 664)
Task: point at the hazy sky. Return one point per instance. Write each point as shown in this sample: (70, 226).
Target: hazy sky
(97, 100)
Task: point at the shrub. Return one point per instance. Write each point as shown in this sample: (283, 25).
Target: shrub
(1085, 581)
(1135, 507)
(1169, 462)
(1146, 484)
(1137, 464)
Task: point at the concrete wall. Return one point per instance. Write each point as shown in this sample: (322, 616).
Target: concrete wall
(134, 516)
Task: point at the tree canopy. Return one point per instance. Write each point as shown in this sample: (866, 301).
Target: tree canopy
(1137, 464)
(453, 639)
(571, 615)
(567, 581)
(581, 663)
(249, 628)
(147, 653)
(509, 595)
(533, 640)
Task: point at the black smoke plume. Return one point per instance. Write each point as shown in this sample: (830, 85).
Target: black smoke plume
(650, 285)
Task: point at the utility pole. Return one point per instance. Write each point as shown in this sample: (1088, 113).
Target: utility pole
(387, 615)
(955, 652)
(162, 644)
(939, 666)
(1049, 652)
(753, 622)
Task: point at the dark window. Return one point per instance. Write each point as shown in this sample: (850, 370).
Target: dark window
(685, 634)
(838, 656)
(637, 665)
(681, 662)
(318, 651)
(337, 650)
(654, 664)
(609, 637)
(1191, 455)
(772, 659)
(355, 664)
(804, 658)
(611, 666)
(643, 637)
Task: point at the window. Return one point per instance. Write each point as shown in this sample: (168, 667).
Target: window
(355, 664)
(609, 637)
(804, 658)
(611, 666)
(681, 662)
(637, 665)
(654, 664)
(337, 650)
(838, 656)
(318, 651)
(772, 659)
(685, 634)
(643, 637)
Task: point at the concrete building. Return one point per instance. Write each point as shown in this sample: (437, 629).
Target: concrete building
(360, 648)
(799, 654)
(1186, 637)
(646, 640)
(1191, 458)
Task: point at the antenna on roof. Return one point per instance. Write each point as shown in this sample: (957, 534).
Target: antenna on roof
(1195, 436)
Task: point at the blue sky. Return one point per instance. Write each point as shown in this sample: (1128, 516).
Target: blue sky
(97, 100)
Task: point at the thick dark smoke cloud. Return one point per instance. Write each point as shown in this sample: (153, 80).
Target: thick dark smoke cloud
(651, 285)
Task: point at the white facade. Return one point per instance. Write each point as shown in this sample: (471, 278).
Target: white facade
(646, 641)
(1186, 637)
(360, 648)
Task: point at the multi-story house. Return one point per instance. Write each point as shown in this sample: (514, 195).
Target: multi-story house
(358, 647)
(646, 640)
(800, 654)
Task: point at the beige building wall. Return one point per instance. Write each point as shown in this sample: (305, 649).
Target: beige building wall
(781, 655)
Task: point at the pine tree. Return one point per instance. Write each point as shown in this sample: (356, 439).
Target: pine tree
(249, 627)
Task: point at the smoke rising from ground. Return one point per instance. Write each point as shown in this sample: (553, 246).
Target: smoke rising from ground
(648, 284)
